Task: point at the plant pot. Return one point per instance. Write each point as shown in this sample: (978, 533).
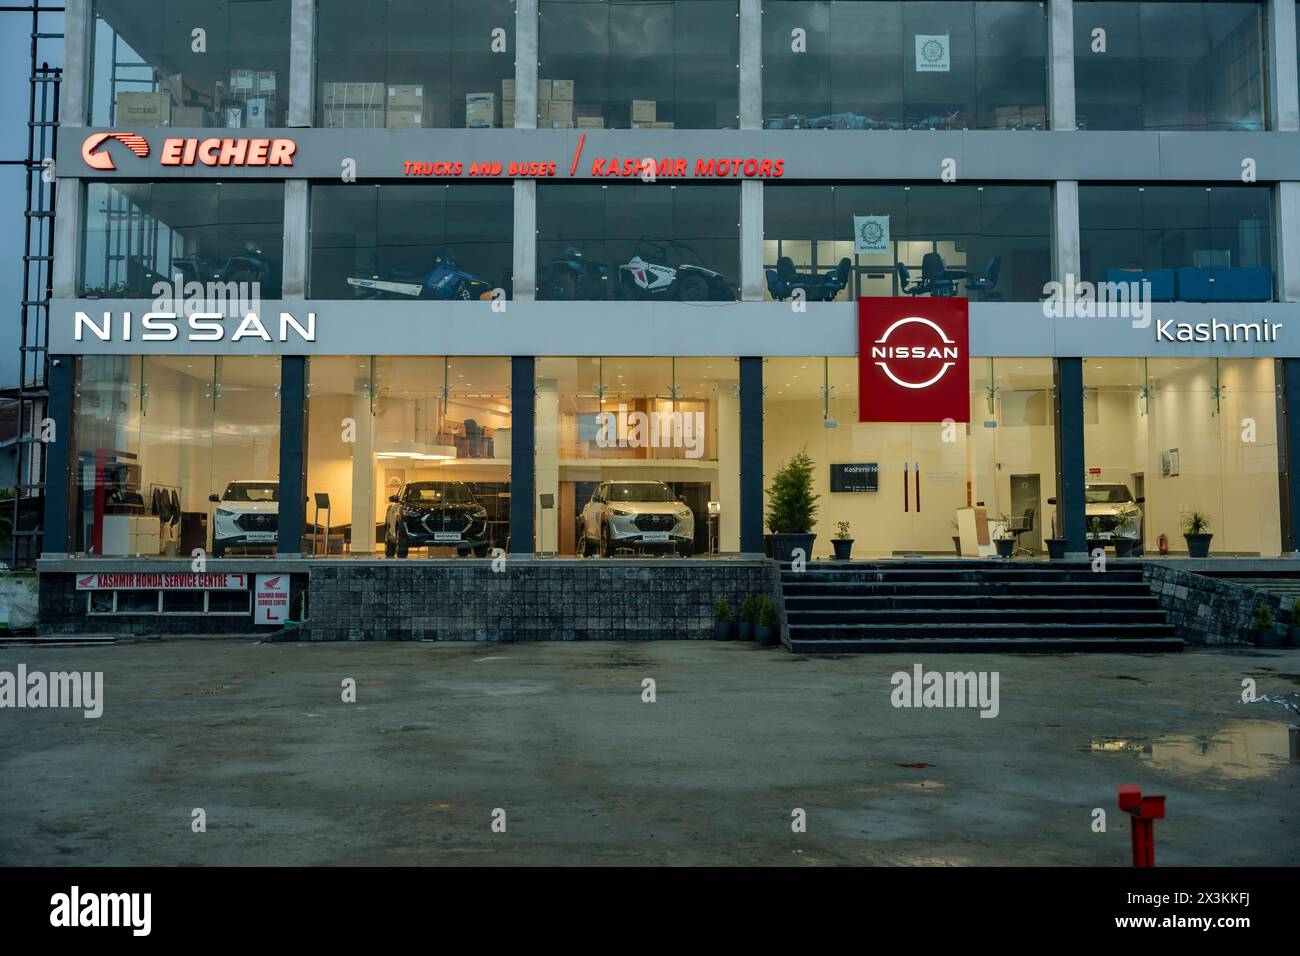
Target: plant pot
(724, 630)
(1269, 637)
(1005, 546)
(1293, 636)
(781, 546)
(766, 634)
(1056, 548)
(843, 548)
(1124, 547)
(956, 544)
(1198, 545)
(1095, 543)
(745, 631)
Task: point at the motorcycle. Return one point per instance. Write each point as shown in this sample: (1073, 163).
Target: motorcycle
(686, 281)
(571, 276)
(251, 266)
(445, 280)
(783, 281)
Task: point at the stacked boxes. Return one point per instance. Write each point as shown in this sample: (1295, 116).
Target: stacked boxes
(508, 103)
(353, 105)
(404, 106)
(480, 110)
(143, 109)
(251, 98)
(643, 113)
(1033, 117)
(555, 108)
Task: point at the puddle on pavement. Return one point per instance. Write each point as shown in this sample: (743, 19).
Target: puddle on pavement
(1242, 750)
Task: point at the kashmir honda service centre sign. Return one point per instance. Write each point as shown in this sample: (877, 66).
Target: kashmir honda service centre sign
(913, 360)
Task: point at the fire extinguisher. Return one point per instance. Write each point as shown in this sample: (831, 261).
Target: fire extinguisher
(1162, 543)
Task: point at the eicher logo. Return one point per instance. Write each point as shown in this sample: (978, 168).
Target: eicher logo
(96, 160)
(913, 360)
(133, 910)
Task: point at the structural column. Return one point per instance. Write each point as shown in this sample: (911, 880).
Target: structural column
(751, 455)
(296, 229)
(58, 460)
(1068, 413)
(751, 64)
(526, 27)
(1066, 258)
(1060, 64)
(293, 455)
(1283, 96)
(302, 62)
(523, 422)
(74, 84)
(751, 241)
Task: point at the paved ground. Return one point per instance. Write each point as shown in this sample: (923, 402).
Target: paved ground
(558, 736)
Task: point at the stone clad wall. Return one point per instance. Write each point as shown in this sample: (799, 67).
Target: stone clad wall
(1207, 610)
(528, 600)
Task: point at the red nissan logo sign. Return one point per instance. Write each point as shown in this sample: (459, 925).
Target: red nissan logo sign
(913, 360)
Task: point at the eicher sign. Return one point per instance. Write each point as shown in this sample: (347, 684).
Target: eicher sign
(913, 360)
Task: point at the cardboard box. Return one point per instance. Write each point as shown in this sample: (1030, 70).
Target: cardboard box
(265, 82)
(186, 117)
(643, 111)
(543, 91)
(405, 95)
(347, 118)
(1035, 116)
(561, 111)
(243, 82)
(1006, 117)
(255, 115)
(507, 90)
(658, 125)
(480, 110)
(508, 114)
(561, 124)
(590, 122)
(404, 117)
(352, 95)
(143, 109)
(562, 90)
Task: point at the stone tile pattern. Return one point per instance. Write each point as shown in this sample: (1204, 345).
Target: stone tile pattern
(1207, 610)
(528, 601)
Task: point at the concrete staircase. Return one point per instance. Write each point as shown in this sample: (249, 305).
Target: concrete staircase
(994, 606)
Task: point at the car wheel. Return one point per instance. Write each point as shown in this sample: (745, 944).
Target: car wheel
(684, 550)
(481, 551)
(403, 549)
(692, 289)
(218, 550)
(606, 546)
(390, 547)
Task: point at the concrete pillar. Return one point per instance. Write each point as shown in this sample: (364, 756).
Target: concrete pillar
(1068, 414)
(751, 455)
(1280, 44)
(547, 463)
(751, 240)
(751, 64)
(525, 247)
(293, 455)
(1286, 223)
(525, 65)
(1066, 259)
(523, 501)
(74, 85)
(296, 223)
(728, 490)
(66, 269)
(364, 513)
(1060, 64)
(59, 461)
(302, 63)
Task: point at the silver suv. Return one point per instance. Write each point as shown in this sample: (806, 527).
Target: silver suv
(1106, 507)
(644, 515)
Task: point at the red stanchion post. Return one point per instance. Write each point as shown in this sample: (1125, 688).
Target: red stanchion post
(1143, 813)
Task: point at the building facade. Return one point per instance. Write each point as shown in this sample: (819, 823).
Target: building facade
(318, 266)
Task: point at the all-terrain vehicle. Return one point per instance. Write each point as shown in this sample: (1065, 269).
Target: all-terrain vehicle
(251, 265)
(667, 269)
(445, 280)
(784, 281)
(573, 276)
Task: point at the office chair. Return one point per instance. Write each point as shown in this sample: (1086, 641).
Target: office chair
(1022, 525)
(988, 282)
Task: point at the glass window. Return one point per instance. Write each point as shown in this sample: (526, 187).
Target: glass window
(415, 63)
(1165, 437)
(912, 479)
(1193, 243)
(139, 234)
(638, 242)
(158, 437)
(890, 65)
(986, 242)
(634, 64)
(150, 68)
(1169, 65)
(403, 242)
(432, 432)
(634, 451)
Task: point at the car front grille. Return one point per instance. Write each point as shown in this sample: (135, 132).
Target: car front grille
(655, 522)
(256, 522)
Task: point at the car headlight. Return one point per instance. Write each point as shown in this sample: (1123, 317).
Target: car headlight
(411, 513)
(223, 513)
(619, 512)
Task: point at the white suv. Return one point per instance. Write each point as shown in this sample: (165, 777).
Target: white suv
(645, 515)
(247, 516)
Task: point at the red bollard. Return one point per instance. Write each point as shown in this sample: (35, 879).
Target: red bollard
(1144, 812)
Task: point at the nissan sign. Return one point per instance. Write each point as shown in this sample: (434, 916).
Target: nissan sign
(913, 360)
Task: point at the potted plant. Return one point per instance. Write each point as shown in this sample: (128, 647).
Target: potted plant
(1125, 518)
(1095, 539)
(1055, 544)
(724, 628)
(842, 542)
(1003, 539)
(792, 509)
(1196, 526)
(1265, 626)
(956, 539)
(766, 628)
(748, 614)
